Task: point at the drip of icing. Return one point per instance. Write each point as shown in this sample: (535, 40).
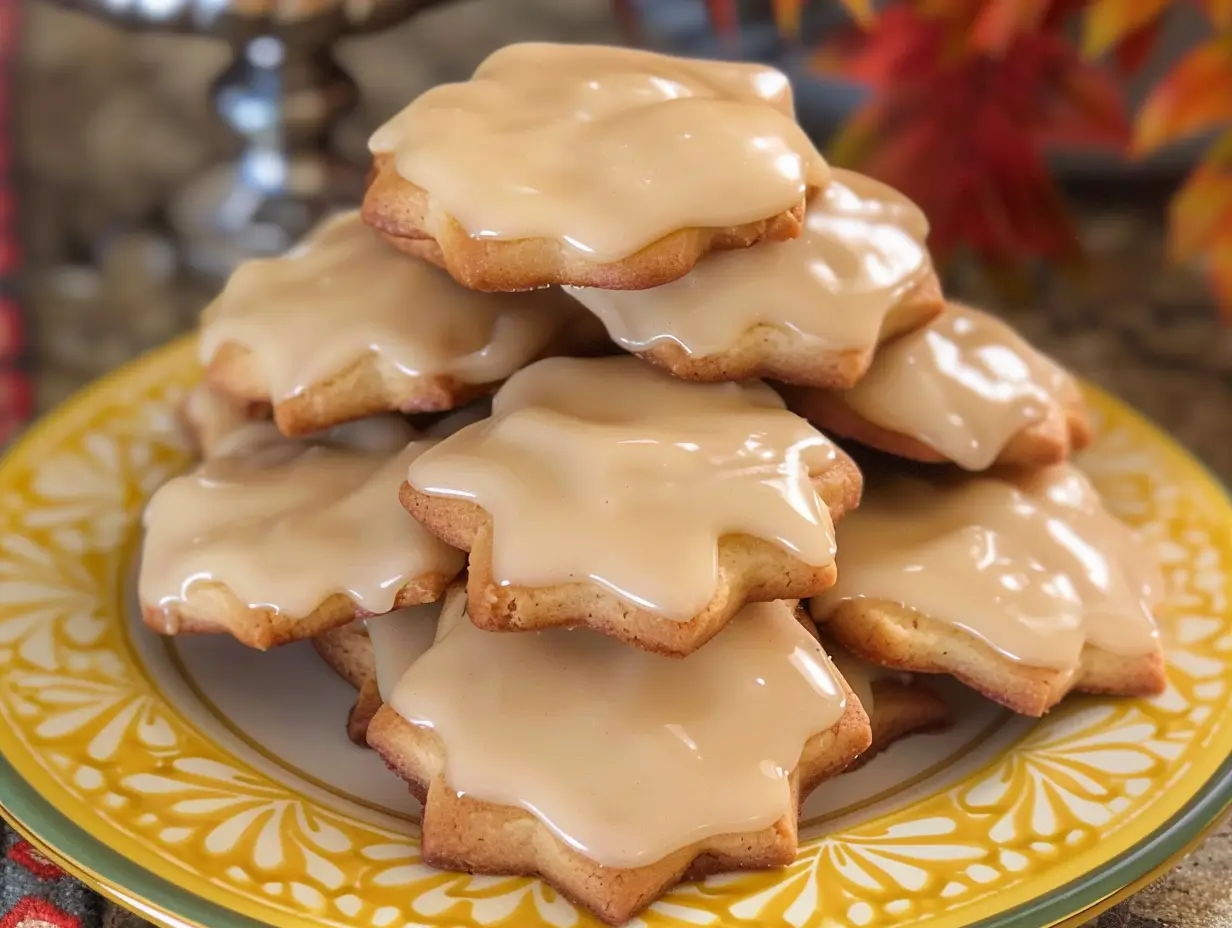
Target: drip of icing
(605, 150)
(212, 417)
(625, 755)
(398, 640)
(1035, 568)
(611, 471)
(862, 249)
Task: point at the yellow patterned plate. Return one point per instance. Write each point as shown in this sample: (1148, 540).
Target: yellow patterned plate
(204, 784)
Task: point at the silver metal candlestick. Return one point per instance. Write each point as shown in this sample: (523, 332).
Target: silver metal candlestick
(282, 96)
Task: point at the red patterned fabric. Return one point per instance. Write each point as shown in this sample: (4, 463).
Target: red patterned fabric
(35, 893)
(16, 398)
(33, 912)
(24, 853)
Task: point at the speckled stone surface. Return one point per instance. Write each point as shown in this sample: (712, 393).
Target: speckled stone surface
(110, 123)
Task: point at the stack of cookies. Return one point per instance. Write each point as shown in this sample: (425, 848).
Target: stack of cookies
(613, 625)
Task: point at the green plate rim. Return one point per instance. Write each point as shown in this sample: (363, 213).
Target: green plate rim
(131, 885)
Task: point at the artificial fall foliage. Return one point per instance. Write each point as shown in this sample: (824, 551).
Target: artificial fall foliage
(969, 95)
(1194, 98)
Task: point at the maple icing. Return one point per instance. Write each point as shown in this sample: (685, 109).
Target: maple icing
(861, 675)
(964, 385)
(861, 250)
(210, 417)
(376, 434)
(344, 293)
(1035, 566)
(398, 639)
(611, 471)
(459, 418)
(625, 755)
(285, 524)
(605, 150)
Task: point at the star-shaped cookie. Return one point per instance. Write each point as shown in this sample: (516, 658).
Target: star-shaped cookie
(344, 326)
(965, 388)
(1020, 584)
(272, 539)
(606, 493)
(611, 772)
(592, 166)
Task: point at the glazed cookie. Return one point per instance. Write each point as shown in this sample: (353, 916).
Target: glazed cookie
(524, 749)
(897, 704)
(606, 493)
(344, 326)
(209, 417)
(593, 166)
(372, 654)
(810, 311)
(347, 649)
(965, 388)
(1021, 585)
(273, 540)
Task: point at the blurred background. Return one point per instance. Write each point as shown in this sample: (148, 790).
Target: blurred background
(1074, 156)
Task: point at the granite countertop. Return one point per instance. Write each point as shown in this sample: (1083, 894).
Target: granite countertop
(102, 284)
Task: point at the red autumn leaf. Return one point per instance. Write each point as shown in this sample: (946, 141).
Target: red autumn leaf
(1194, 97)
(724, 15)
(1108, 22)
(627, 20)
(1059, 13)
(1085, 107)
(901, 47)
(962, 132)
(1137, 47)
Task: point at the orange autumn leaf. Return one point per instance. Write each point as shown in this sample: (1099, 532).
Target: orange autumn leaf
(1200, 221)
(1000, 21)
(787, 16)
(1200, 216)
(1194, 97)
(855, 141)
(1219, 274)
(963, 11)
(725, 14)
(1109, 22)
(860, 10)
(1219, 12)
